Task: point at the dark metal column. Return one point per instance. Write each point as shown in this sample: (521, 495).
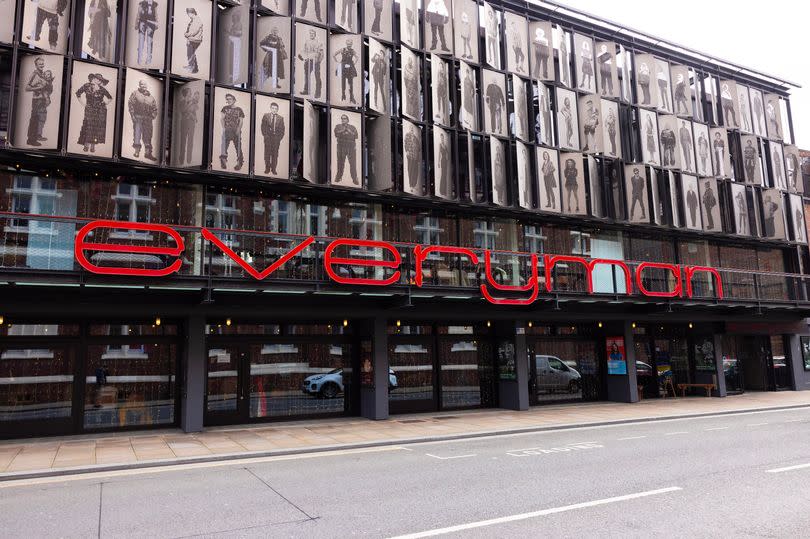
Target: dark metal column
(192, 404)
(374, 400)
(720, 374)
(513, 394)
(623, 387)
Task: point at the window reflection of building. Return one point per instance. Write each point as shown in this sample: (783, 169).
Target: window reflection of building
(133, 203)
(221, 213)
(36, 196)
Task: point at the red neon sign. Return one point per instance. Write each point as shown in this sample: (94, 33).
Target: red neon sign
(333, 263)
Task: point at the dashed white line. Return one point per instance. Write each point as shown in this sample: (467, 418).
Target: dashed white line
(631, 438)
(757, 424)
(793, 420)
(717, 428)
(674, 433)
(789, 468)
(449, 458)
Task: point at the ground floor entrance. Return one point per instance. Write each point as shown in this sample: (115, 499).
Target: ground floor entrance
(756, 363)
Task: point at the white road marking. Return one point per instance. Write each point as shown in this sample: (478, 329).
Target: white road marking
(449, 458)
(535, 514)
(793, 420)
(789, 468)
(717, 428)
(674, 433)
(757, 424)
(631, 438)
(533, 451)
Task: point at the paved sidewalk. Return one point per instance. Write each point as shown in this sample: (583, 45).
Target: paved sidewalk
(56, 456)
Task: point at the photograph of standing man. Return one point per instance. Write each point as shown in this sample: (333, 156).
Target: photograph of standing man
(187, 114)
(273, 130)
(682, 91)
(551, 180)
(722, 161)
(728, 99)
(442, 164)
(711, 215)
(690, 187)
(740, 209)
(498, 166)
(194, 34)
(231, 119)
(638, 194)
(584, 61)
(437, 18)
(773, 112)
(757, 111)
(310, 44)
(687, 147)
(611, 139)
(318, 7)
(704, 161)
(439, 84)
(347, 14)
(517, 38)
(143, 109)
(345, 72)
(412, 149)
(591, 124)
(379, 92)
(495, 100)
(146, 24)
(40, 86)
(346, 148)
(608, 77)
(378, 18)
(469, 97)
(410, 74)
(53, 13)
(751, 159)
(492, 31)
(273, 54)
(40, 79)
(664, 90)
(669, 141)
(542, 51)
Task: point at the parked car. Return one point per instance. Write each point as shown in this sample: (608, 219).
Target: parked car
(329, 385)
(554, 375)
(643, 369)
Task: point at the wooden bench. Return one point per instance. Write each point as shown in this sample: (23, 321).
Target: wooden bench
(707, 387)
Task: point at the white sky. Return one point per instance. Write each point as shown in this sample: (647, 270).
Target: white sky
(771, 37)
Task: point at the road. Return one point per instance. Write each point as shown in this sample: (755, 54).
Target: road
(745, 475)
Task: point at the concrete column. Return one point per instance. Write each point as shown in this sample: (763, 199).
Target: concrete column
(513, 394)
(623, 387)
(192, 402)
(374, 400)
(720, 374)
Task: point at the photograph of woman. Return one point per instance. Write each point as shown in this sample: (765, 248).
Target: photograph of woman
(465, 29)
(272, 59)
(520, 116)
(497, 162)
(562, 40)
(347, 63)
(409, 22)
(644, 88)
(664, 88)
(517, 46)
(549, 193)
(38, 111)
(584, 61)
(524, 171)
(739, 202)
(100, 19)
(611, 135)
(567, 121)
(439, 90)
(378, 19)
(649, 137)
(703, 150)
(573, 201)
(492, 32)
(757, 112)
(728, 101)
(797, 216)
(92, 109)
(542, 124)
(542, 55)
(443, 178)
(774, 223)
(773, 115)
(681, 90)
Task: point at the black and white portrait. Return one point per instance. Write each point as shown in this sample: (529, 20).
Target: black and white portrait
(380, 155)
(543, 122)
(691, 202)
(703, 150)
(608, 77)
(744, 104)
(465, 29)
(757, 112)
(379, 58)
(313, 10)
(45, 24)
(409, 23)
(681, 90)
(440, 90)
(752, 160)
(686, 146)
(524, 175)
(8, 22)
(635, 187)
(279, 7)
(411, 93)
(38, 108)
(611, 129)
(541, 48)
(443, 178)
(567, 121)
(562, 42)
(594, 180)
(710, 205)
(793, 172)
(573, 180)
(438, 27)
(548, 173)
(773, 116)
(92, 109)
(720, 152)
(729, 104)
(663, 86)
(517, 44)
(233, 37)
(774, 215)
(590, 123)
(797, 219)
(272, 69)
(100, 27)
(520, 115)
(346, 14)
(669, 135)
(146, 34)
(379, 19)
(672, 185)
(468, 113)
(646, 82)
(650, 150)
(271, 141)
(656, 207)
(492, 36)
(191, 39)
(347, 148)
(497, 163)
(346, 68)
(413, 179)
(739, 203)
(310, 62)
(143, 117)
(584, 61)
(312, 143)
(778, 179)
(231, 141)
(188, 114)
(495, 103)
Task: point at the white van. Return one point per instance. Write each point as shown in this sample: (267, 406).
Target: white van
(552, 374)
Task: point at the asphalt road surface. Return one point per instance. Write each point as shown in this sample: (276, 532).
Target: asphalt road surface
(745, 475)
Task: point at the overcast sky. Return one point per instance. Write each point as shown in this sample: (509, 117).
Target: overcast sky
(771, 37)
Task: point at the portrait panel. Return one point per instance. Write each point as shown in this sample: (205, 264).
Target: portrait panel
(520, 116)
(663, 86)
(608, 74)
(739, 202)
(793, 172)
(646, 86)
(191, 39)
(146, 34)
(141, 133)
(681, 90)
(524, 175)
(45, 24)
(797, 218)
(686, 146)
(413, 177)
(380, 154)
(517, 44)
(562, 43)
(596, 199)
(590, 124)
(541, 58)
(443, 177)
(93, 91)
(669, 136)
(411, 84)
(347, 149)
(495, 103)
(440, 90)
(777, 165)
(188, 124)
(345, 88)
(650, 152)
(279, 7)
(673, 198)
(465, 30)
(271, 141)
(611, 129)
(543, 124)
(497, 163)
(438, 27)
(709, 204)
(691, 202)
(312, 143)
(409, 22)
(233, 38)
(548, 172)
(313, 10)
(492, 35)
(100, 29)
(773, 116)
(468, 114)
(757, 112)
(729, 104)
(310, 62)
(7, 23)
(272, 57)
(567, 121)
(720, 152)
(744, 104)
(379, 20)
(38, 110)
(703, 151)
(573, 180)
(584, 61)
(346, 14)
(230, 147)
(774, 214)
(379, 96)
(752, 159)
(636, 188)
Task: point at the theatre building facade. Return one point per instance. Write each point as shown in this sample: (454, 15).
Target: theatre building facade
(223, 213)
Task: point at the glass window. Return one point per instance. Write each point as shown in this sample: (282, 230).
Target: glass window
(467, 374)
(38, 330)
(35, 383)
(412, 367)
(564, 369)
(133, 329)
(806, 352)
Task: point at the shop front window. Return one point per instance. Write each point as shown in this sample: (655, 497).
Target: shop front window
(36, 383)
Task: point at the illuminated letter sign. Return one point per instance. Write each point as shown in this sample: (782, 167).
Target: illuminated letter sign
(420, 253)
(531, 285)
(551, 261)
(330, 260)
(676, 273)
(207, 234)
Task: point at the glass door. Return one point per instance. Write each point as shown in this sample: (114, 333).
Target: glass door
(412, 364)
(225, 401)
